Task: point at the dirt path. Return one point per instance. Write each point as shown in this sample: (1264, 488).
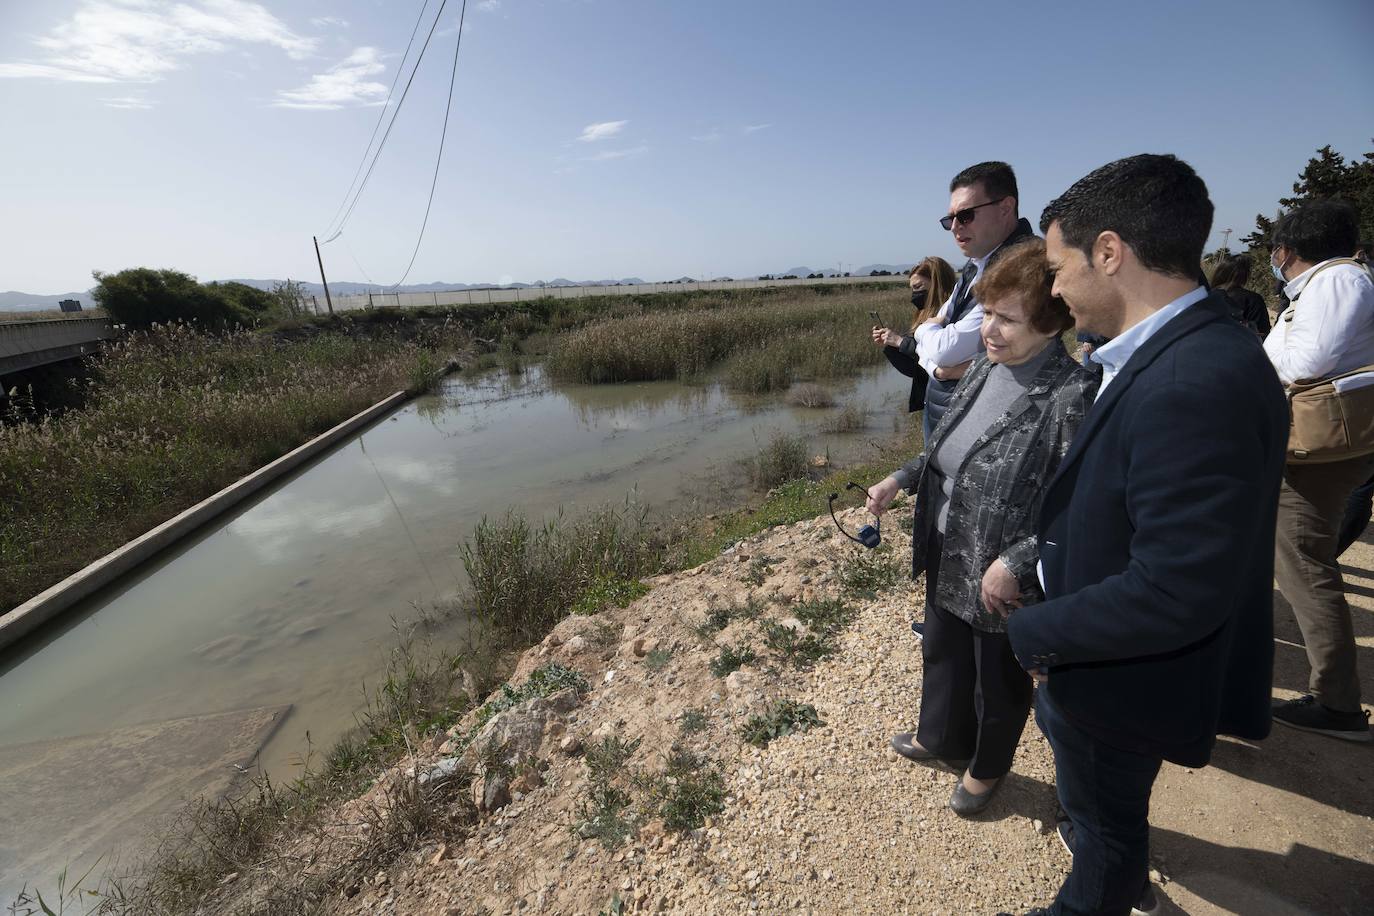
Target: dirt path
(830, 821)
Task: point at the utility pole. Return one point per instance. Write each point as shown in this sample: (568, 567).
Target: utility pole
(1226, 239)
(327, 299)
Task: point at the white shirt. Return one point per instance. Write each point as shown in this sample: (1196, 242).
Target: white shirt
(1115, 353)
(954, 343)
(1331, 330)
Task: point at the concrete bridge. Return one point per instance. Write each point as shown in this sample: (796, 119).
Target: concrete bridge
(30, 344)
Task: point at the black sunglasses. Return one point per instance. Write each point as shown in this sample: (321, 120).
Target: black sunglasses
(965, 215)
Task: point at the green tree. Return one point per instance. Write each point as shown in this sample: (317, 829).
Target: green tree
(1326, 175)
(141, 296)
(291, 299)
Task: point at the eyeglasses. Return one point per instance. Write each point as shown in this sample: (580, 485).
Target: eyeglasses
(966, 215)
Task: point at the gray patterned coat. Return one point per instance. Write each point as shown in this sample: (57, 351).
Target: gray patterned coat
(997, 490)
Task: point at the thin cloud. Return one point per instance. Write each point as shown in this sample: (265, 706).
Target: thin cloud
(602, 130)
(710, 136)
(346, 84)
(140, 41)
(752, 128)
(324, 22)
(488, 6)
(132, 103)
(609, 154)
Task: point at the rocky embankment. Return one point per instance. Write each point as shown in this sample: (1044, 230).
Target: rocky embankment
(721, 746)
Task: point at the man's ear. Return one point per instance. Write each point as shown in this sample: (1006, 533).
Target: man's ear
(1109, 252)
(1008, 206)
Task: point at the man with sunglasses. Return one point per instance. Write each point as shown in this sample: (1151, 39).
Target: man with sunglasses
(984, 219)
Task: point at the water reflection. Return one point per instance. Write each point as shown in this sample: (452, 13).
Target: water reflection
(291, 600)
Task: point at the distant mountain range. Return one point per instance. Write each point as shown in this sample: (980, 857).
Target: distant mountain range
(24, 302)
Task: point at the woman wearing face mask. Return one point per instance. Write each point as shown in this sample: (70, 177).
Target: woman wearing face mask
(977, 490)
(931, 282)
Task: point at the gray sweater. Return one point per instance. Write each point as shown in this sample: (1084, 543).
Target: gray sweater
(1004, 385)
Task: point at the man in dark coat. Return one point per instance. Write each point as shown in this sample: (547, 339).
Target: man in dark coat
(1156, 535)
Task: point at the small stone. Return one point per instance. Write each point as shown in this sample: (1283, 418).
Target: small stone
(439, 856)
(570, 745)
(527, 782)
(644, 645)
(1039, 825)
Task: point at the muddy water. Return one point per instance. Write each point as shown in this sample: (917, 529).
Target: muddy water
(292, 599)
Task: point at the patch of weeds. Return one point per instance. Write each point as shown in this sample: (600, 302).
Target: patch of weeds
(658, 659)
(543, 681)
(615, 908)
(733, 658)
(605, 758)
(608, 591)
(606, 633)
(602, 815)
(691, 790)
(758, 571)
(794, 648)
(692, 721)
(809, 394)
(824, 615)
(782, 458)
(870, 572)
(718, 617)
(850, 418)
(783, 718)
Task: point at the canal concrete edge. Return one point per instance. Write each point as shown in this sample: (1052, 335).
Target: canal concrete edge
(50, 603)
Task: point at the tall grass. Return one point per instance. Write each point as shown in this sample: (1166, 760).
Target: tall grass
(524, 579)
(171, 417)
(758, 346)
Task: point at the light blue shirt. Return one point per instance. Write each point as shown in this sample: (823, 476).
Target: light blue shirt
(1116, 352)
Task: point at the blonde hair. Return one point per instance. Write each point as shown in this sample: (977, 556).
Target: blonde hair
(939, 277)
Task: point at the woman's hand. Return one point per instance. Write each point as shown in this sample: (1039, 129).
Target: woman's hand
(887, 337)
(881, 494)
(1001, 593)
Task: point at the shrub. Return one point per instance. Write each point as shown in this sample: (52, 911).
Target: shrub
(810, 394)
(785, 717)
(850, 418)
(732, 658)
(782, 458)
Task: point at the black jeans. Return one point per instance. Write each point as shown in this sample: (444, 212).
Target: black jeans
(1357, 511)
(1106, 793)
(975, 696)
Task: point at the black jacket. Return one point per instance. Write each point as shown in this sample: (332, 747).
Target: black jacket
(1157, 543)
(939, 392)
(1248, 309)
(906, 363)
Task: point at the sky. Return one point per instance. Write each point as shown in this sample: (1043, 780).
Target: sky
(612, 138)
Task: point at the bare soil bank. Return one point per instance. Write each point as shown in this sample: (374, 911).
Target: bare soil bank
(829, 820)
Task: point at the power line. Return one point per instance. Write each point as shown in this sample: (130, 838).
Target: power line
(448, 109)
(392, 123)
(381, 116)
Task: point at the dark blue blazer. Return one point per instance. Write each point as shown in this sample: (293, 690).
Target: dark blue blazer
(1157, 539)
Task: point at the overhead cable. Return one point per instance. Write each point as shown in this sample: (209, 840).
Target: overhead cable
(453, 76)
(392, 123)
(381, 116)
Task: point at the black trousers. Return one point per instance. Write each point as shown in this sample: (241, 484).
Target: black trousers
(975, 696)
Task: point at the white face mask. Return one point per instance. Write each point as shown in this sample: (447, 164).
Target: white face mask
(1278, 270)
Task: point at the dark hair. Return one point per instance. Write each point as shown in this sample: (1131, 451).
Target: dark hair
(997, 179)
(1023, 270)
(1231, 273)
(1156, 203)
(1319, 230)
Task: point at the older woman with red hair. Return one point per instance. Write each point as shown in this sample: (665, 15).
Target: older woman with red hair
(977, 489)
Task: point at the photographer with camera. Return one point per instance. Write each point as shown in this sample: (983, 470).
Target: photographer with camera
(977, 489)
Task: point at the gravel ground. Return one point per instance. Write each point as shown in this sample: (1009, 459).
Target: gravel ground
(830, 820)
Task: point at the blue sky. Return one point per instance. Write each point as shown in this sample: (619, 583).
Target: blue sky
(610, 138)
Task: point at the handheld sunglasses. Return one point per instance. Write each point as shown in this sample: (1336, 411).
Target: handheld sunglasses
(869, 535)
(966, 215)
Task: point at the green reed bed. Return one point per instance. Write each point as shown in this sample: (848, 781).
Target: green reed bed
(756, 345)
(172, 417)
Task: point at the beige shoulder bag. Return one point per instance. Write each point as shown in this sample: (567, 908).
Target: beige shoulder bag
(1327, 423)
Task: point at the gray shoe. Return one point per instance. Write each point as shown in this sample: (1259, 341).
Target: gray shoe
(965, 804)
(905, 744)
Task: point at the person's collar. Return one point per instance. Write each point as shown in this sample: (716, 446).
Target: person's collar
(1113, 354)
(1294, 287)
